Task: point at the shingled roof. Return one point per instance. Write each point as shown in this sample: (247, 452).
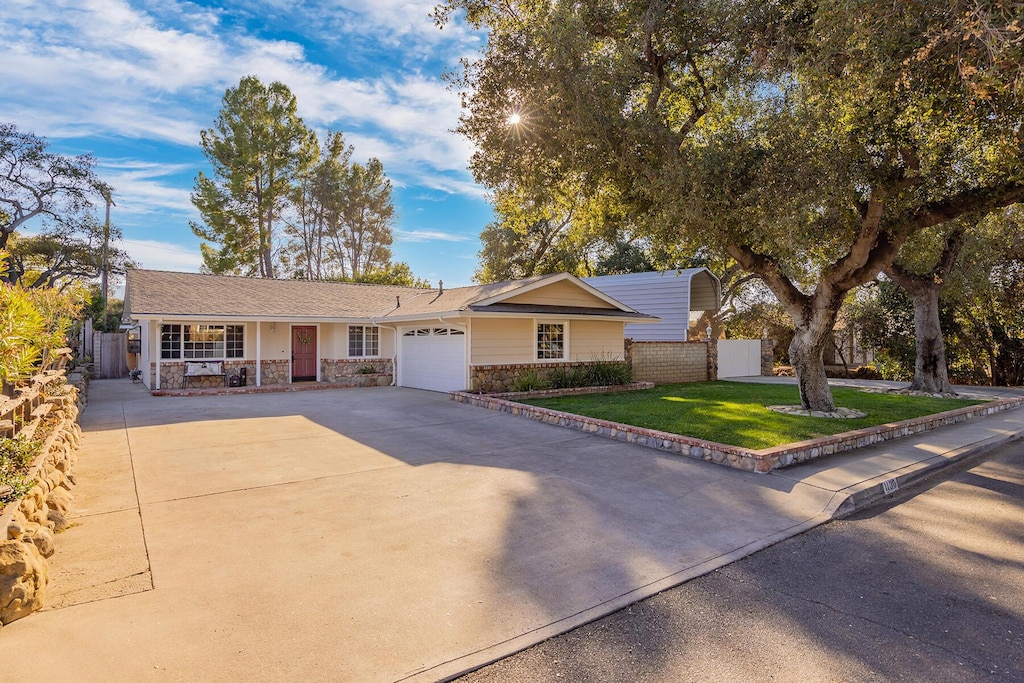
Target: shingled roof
(156, 292)
(152, 293)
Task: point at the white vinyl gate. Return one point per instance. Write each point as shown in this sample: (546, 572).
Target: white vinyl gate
(739, 357)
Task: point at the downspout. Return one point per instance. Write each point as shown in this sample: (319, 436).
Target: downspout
(394, 358)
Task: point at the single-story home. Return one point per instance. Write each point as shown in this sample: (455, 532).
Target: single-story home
(205, 328)
(682, 299)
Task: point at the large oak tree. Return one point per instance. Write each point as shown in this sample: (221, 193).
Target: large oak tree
(38, 185)
(807, 140)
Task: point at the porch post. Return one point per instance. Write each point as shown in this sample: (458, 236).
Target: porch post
(259, 365)
(159, 352)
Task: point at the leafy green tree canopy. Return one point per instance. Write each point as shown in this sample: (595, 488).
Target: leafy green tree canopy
(808, 141)
(257, 147)
(37, 184)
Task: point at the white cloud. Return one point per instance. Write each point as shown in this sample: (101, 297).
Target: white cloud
(106, 67)
(430, 235)
(142, 187)
(155, 255)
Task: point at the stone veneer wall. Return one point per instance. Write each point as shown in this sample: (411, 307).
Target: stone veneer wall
(746, 459)
(767, 357)
(30, 523)
(345, 372)
(274, 372)
(172, 374)
(354, 372)
(673, 362)
(500, 379)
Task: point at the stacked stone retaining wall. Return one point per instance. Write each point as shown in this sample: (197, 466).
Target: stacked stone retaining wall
(47, 408)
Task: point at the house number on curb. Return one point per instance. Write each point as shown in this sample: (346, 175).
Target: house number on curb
(890, 486)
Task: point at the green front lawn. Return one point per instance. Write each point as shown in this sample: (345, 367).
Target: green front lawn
(735, 413)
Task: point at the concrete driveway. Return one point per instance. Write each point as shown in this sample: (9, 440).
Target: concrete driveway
(367, 535)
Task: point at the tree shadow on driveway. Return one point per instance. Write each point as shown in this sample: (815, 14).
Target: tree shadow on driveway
(428, 535)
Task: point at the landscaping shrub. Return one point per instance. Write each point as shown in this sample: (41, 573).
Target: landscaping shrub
(568, 377)
(16, 456)
(606, 373)
(530, 381)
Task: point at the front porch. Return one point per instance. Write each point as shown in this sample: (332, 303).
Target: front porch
(360, 381)
(169, 375)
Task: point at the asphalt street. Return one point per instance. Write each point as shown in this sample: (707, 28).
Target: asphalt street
(923, 587)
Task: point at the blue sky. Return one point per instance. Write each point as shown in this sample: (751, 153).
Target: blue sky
(134, 81)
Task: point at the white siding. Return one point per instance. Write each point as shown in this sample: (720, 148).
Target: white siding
(666, 295)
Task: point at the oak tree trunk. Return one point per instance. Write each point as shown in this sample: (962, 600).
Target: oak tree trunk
(805, 353)
(930, 373)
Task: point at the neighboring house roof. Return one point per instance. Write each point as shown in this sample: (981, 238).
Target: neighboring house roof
(151, 293)
(671, 295)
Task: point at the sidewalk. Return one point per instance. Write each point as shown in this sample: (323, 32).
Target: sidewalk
(860, 478)
(392, 534)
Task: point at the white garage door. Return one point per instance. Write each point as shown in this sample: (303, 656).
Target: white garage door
(433, 358)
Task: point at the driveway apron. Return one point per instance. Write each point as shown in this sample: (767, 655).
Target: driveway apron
(367, 535)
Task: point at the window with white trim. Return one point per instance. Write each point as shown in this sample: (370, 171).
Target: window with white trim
(363, 340)
(202, 341)
(550, 341)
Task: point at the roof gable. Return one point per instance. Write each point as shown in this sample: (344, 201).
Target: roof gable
(560, 289)
(561, 293)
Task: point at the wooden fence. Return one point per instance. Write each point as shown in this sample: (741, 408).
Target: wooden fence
(110, 359)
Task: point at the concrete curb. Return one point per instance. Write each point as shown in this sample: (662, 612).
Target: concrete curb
(456, 668)
(886, 486)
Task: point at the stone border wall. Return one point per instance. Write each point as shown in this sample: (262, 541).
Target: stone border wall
(30, 523)
(672, 362)
(749, 460)
(574, 391)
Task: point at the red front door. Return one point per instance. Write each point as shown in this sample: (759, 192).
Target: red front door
(304, 353)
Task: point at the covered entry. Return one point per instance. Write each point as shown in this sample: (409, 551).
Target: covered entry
(432, 358)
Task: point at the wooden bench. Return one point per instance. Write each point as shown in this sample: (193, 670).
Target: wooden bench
(202, 369)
